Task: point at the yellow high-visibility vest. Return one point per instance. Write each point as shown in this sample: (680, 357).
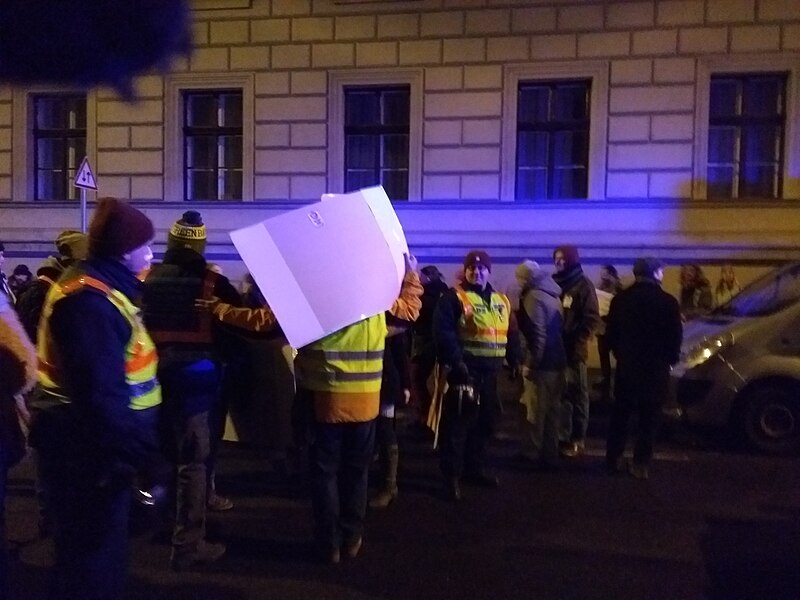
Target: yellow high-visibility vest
(347, 361)
(483, 329)
(141, 359)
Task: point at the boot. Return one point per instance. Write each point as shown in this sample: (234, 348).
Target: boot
(389, 491)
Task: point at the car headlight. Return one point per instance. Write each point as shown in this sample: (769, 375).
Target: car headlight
(697, 355)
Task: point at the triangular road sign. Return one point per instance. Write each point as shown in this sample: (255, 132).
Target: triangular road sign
(85, 178)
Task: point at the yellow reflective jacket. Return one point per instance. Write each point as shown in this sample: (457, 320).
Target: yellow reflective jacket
(141, 359)
(483, 328)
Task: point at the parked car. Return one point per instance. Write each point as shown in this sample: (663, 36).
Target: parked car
(740, 365)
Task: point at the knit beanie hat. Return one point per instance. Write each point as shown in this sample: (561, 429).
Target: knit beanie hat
(188, 232)
(72, 244)
(117, 228)
(526, 270)
(646, 266)
(476, 257)
(570, 253)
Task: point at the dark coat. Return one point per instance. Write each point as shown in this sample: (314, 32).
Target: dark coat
(644, 328)
(540, 322)
(581, 313)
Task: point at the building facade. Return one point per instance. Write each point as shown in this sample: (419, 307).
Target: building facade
(663, 127)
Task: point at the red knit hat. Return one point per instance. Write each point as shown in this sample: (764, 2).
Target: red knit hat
(475, 257)
(118, 228)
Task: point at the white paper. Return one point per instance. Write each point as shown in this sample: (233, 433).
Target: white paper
(603, 301)
(327, 265)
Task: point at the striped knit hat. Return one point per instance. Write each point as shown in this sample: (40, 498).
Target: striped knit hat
(188, 232)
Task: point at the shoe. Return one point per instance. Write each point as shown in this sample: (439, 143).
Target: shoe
(384, 498)
(203, 553)
(452, 489)
(638, 471)
(573, 449)
(617, 466)
(482, 480)
(217, 503)
(352, 548)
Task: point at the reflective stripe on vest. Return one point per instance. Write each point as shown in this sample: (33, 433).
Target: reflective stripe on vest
(483, 329)
(202, 334)
(141, 359)
(349, 360)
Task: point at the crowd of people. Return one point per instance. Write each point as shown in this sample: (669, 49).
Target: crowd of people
(136, 366)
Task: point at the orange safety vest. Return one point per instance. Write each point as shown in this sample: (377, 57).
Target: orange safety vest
(483, 328)
(141, 359)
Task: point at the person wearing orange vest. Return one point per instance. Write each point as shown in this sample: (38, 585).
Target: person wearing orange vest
(341, 377)
(189, 371)
(471, 327)
(96, 425)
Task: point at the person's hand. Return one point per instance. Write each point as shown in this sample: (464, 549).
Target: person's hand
(206, 306)
(411, 262)
(406, 396)
(514, 372)
(526, 372)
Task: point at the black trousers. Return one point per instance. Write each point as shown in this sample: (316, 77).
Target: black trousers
(466, 427)
(642, 390)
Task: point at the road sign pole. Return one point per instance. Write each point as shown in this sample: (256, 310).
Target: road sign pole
(83, 210)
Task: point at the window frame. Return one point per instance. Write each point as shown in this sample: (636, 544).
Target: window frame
(595, 71)
(174, 148)
(338, 81)
(744, 65)
(23, 177)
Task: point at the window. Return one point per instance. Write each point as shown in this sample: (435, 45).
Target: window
(59, 144)
(209, 151)
(376, 132)
(552, 140)
(212, 133)
(746, 136)
(747, 128)
(554, 131)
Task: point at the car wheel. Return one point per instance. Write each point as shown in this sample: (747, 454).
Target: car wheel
(771, 418)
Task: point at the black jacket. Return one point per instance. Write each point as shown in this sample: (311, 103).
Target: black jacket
(644, 327)
(581, 313)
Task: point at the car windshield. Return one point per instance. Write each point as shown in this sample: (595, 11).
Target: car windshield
(765, 296)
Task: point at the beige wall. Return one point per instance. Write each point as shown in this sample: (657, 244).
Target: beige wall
(655, 56)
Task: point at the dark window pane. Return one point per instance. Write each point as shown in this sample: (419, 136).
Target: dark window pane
(763, 97)
(571, 102)
(395, 151)
(76, 110)
(396, 107)
(532, 148)
(362, 107)
(725, 95)
(50, 153)
(569, 148)
(396, 184)
(761, 144)
(357, 179)
(569, 183)
(361, 152)
(201, 110)
(76, 150)
(723, 144)
(50, 185)
(230, 184)
(721, 182)
(759, 181)
(202, 185)
(201, 152)
(50, 113)
(533, 104)
(231, 110)
(230, 152)
(531, 184)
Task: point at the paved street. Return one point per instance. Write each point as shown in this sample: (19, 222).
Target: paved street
(711, 523)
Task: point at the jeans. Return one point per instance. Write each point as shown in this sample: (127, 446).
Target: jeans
(340, 459)
(575, 404)
(188, 396)
(466, 428)
(544, 431)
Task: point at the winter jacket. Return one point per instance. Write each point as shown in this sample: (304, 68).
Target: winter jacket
(540, 322)
(644, 327)
(581, 314)
(423, 327)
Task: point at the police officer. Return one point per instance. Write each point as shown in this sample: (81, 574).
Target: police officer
(471, 328)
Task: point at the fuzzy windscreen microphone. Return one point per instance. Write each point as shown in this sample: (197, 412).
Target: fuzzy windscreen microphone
(90, 42)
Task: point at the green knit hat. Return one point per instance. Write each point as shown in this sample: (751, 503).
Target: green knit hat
(188, 232)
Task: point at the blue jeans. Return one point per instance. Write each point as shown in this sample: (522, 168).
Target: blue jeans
(575, 404)
(340, 458)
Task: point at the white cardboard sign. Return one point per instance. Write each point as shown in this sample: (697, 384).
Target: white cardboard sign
(327, 265)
